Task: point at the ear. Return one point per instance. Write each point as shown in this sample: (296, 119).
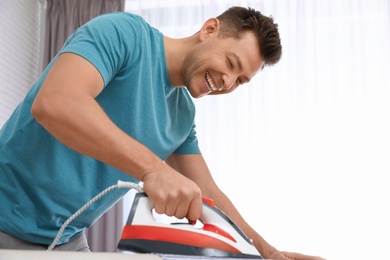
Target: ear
(209, 28)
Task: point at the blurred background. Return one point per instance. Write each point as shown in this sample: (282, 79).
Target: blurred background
(303, 150)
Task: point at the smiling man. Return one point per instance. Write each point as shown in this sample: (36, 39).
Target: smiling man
(116, 104)
(222, 63)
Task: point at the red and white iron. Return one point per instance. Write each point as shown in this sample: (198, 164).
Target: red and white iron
(218, 237)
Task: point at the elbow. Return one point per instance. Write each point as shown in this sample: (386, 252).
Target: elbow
(40, 109)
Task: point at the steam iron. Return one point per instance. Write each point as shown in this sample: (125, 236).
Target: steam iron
(219, 236)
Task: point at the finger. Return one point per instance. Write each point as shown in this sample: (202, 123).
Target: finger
(182, 209)
(159, 204)
(195, 209)
(170, 208)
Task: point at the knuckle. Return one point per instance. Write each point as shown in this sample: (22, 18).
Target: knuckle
(159, 209)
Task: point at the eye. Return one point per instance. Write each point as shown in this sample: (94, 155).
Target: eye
(230, 63)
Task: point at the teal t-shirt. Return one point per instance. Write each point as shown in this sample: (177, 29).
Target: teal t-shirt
(42, 182)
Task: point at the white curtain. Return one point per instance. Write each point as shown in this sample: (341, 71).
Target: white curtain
(62, 18)
(304, 149)
(21, 36)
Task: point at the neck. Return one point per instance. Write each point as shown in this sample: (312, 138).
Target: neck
(176, 51)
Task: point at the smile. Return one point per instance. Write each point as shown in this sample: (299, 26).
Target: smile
(210, 83)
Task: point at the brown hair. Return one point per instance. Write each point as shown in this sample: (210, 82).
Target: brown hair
(237, 20)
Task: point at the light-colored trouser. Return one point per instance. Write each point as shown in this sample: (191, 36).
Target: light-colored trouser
(77, 244)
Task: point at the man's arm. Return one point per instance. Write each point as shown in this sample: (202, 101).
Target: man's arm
(194, 167)
(65, 106)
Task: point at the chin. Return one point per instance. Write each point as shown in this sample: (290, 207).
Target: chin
(201, 95)
(194, 93)
(197, 95)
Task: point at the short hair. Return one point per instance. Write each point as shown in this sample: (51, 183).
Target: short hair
(237, 20)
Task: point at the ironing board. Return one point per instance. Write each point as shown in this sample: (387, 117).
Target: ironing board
(61, 255)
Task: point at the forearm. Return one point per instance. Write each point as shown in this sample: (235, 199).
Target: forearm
(66, 107)
(195, 168)
(223, 203)
(89, 131)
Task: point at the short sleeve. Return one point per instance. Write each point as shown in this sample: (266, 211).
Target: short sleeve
(190, 145)
(108, 42)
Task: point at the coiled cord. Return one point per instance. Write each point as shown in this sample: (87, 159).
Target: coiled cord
(119, 185)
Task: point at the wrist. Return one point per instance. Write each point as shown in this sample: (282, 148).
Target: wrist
(152, 167)
(265, 249)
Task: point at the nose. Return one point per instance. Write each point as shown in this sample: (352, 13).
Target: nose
(228, 81)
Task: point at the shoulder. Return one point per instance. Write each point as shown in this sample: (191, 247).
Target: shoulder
(118, 16)
(119, 19)
(125, 24)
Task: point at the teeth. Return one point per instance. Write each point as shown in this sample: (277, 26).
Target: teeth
(210, 83)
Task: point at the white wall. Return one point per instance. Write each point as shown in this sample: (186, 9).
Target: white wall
(20, 50)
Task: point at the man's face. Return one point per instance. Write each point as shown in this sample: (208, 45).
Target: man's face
(220, 65)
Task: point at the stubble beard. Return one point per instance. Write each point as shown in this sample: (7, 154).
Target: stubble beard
(190, 70)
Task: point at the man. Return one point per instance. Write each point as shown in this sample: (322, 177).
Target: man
(111, 106)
